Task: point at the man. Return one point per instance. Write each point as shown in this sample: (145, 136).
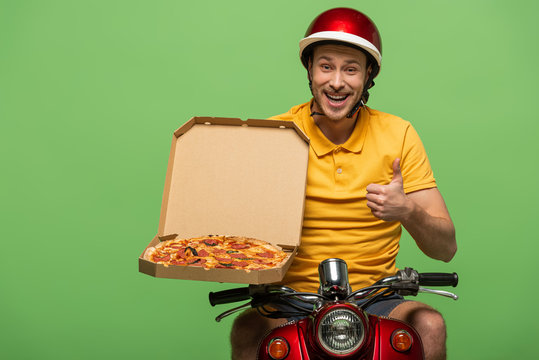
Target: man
(368, 174)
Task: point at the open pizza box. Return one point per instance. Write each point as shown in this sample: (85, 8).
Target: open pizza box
(227, 176)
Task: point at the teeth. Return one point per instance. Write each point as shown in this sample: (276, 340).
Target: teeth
(336, 98)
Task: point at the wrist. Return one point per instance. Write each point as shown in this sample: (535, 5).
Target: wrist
(409, 209)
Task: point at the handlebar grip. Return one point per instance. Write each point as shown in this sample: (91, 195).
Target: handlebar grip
(438, 279)
(229, 296)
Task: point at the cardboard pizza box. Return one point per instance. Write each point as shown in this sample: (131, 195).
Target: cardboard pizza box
(227, 176)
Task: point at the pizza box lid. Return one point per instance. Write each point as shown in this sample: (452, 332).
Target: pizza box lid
(227, 176)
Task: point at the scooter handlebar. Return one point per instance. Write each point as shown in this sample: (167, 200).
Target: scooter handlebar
(229, 296)
(438, 279)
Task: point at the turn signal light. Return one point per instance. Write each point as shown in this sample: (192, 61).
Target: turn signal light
(401, 340)
(278, 348)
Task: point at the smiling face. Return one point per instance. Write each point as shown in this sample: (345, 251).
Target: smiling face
(338, 74)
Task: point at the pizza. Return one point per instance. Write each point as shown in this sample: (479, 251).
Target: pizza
(217, 252)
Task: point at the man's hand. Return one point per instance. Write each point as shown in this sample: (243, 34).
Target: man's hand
(423, 213)
(389, 202)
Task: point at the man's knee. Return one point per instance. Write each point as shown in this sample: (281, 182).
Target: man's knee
(428, 322)
(247, 331)
(432, 321)
(247, 326)
(420, 316)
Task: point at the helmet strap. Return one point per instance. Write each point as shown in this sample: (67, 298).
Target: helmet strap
(368, 84)
(355, 108)
(315, 112)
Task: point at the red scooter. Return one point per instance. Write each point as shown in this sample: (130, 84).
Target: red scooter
(331, 325)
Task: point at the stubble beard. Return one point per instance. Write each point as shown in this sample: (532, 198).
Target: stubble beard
(320, 101)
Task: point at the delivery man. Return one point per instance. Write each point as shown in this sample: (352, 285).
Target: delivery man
(368, 174)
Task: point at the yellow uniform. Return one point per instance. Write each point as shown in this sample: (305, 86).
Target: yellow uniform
(337, 221)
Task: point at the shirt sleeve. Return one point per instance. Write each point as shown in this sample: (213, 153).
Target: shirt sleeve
(415, 166)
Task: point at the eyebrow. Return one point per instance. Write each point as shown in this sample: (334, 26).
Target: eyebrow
(328, 58)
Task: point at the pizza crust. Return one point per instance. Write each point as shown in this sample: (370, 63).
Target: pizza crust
(148, 253)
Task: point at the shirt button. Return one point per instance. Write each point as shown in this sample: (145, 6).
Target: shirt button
(339, 170)
(337, 149)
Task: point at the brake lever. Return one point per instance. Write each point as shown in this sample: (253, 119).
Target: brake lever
(232, 311)
(438, 292)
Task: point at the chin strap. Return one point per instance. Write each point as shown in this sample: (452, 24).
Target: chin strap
(368, 84)
(354, 110)
(356, 107)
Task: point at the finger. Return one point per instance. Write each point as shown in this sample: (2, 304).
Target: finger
(397, 175)
(374, 188)
(374, 198)
(377, 214)
(374, 206)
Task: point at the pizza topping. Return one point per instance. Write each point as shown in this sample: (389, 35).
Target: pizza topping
(177, 262)
(222, 259)
(240, 246)
(181, 253)
(240, 263)
(266, 254)
(203, 253)
(162, 258)
(210, 242)
(190, 251)
(198, 262)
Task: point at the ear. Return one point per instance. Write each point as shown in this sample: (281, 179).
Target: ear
(309, 69)
(368, 77)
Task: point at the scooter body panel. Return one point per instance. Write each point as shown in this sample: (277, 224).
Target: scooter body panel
(294, 335)
(300, 336)
(386, 329)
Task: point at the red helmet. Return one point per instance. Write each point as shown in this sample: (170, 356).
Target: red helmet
(343, 25)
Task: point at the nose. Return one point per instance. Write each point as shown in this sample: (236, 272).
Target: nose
(336, 82)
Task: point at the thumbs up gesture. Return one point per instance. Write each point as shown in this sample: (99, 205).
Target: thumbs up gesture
(389, 202)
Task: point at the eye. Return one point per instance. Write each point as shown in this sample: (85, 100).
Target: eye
(325, 67)
(352, 70)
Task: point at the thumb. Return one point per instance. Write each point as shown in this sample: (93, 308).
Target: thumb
(397, 175)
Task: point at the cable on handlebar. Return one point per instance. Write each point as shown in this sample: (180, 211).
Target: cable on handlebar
(368, 290)
(383, 293)
(298, 296)
(293, 302)
(278, 314)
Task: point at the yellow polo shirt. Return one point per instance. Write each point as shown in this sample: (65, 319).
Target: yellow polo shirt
(337, 221)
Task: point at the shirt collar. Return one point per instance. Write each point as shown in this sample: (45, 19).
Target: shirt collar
(322, 145)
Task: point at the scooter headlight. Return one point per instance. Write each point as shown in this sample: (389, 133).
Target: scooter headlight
(341, 331)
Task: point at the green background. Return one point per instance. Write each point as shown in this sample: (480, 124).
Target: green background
(91, 91)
